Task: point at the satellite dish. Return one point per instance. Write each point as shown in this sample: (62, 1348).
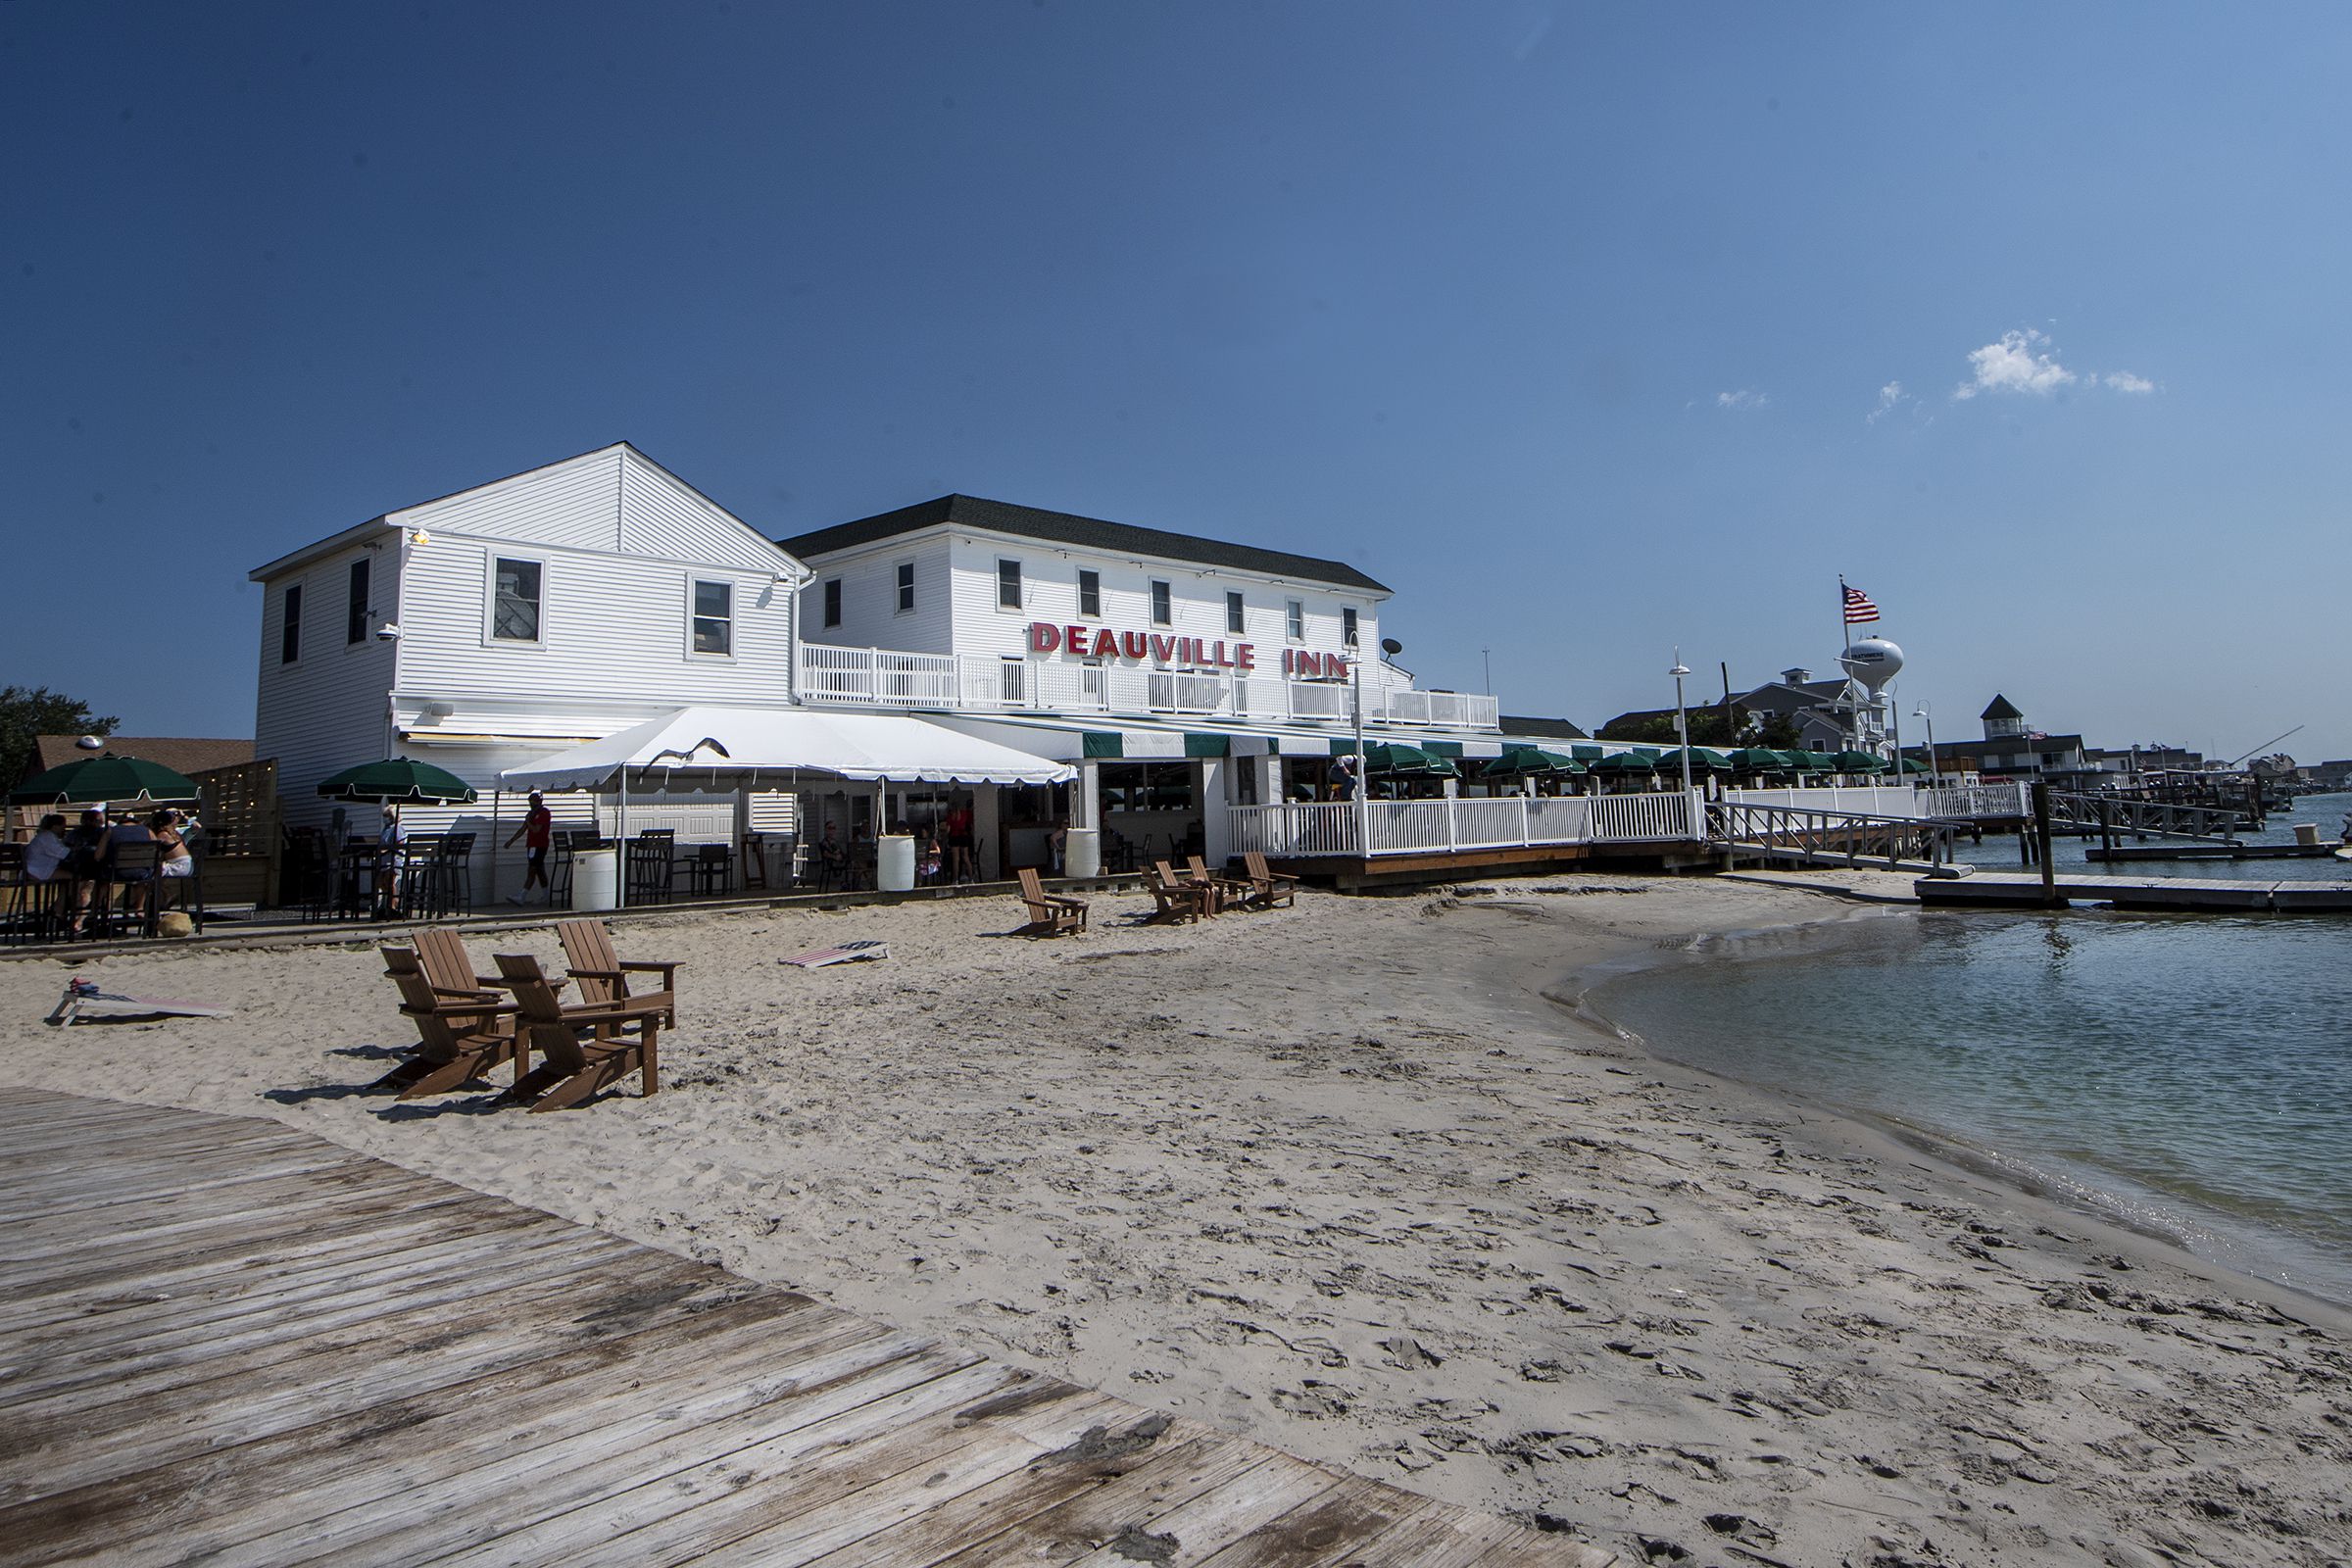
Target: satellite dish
(1874, 662)
(1391, 647)
(91, 743)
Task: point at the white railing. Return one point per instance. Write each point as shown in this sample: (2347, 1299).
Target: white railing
(1973, 799)
(1302, 829)
(885, 677)
(1892, 800)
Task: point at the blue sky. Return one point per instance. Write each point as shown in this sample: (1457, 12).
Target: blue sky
(1595, 331)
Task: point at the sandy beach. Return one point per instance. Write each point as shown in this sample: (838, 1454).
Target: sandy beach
(1345, 1178)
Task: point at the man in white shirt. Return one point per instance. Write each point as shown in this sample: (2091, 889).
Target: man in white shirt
(48, 849)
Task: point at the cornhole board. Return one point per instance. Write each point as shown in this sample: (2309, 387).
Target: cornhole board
(83, 999)
(846, 953)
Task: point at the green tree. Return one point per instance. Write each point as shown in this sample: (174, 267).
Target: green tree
(27, 711)
(1707, 728)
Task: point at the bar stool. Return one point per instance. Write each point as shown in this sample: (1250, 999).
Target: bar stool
(755, 862)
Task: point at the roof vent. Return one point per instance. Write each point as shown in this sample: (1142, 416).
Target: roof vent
(1797, 677)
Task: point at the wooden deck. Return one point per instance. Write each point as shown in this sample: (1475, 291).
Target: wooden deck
(225, 1339)
(2023, 890)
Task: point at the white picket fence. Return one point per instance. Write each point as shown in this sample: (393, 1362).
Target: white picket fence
(1299, 829)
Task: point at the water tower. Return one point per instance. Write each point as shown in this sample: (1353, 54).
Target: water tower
(1869, 665)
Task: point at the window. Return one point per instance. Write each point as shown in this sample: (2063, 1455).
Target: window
(832, 600)
(714, 617)
(1161, 608)
(355, 619)
(1090, 592)
(1294, 620)
(905, 586)
(1008, 585)
(1147, 787)
(514, 600)
(1347, 627)
(289, 636)
(1233, 615)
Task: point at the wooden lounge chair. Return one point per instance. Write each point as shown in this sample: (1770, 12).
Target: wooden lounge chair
(1050, 913)
(460, 1034)
(591, 959)
(1266, 888)
(1175, 899)
(1230, 889)
(571, 1069)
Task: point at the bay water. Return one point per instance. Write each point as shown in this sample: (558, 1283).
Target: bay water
(2186, 1074)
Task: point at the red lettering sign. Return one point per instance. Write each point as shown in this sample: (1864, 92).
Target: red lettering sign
(1043, 639)
(1100, 642)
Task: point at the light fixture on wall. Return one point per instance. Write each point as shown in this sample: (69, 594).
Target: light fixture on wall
(419, 537)
(388, 632)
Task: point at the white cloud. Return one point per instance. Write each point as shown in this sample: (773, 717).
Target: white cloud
(1892, 397)
(2126, 381)
(1742, 399)
(2015, 364)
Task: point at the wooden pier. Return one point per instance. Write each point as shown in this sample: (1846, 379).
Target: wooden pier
(2024, 890)
(231, 1341)
(2208, 851)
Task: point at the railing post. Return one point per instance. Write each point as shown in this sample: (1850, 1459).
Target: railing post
(873, 674)
(1452, 837)
(1526, 826)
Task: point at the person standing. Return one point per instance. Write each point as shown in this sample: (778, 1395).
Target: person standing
(959, 841)
(538, 832)
(390, 843)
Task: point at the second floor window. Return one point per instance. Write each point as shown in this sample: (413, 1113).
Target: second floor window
(514, 601)
(905, 586)
(1090, 592)
(1008, 585)
(1162, 608)
(1294, 620)
(832, 600)
(355, 619)
(714, 617)
(289, 635)
(1347, 627)
(1234, 621)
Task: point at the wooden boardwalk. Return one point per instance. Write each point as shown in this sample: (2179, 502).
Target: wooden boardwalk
(224, 1340)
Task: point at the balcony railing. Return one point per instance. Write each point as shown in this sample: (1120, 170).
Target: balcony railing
(1293, 830)
(885, 678)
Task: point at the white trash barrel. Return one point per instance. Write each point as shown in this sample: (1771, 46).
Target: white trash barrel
(1082, 851)
(893, 863)
(595, 879)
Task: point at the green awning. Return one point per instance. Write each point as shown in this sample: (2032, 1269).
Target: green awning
(1102, 743)
(1195, 744)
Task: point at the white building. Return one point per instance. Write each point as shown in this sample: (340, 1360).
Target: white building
(493, 627)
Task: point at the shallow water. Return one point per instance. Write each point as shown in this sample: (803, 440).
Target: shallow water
(2191, 1075)
(2326, 812)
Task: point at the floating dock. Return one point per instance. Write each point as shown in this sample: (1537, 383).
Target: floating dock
(2210, 851)
(2015, 890)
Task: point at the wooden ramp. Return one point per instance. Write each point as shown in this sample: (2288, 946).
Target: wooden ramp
(224, 1340)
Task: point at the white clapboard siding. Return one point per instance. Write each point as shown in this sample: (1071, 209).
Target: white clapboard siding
(661, 516)
(327, 710)
(869, 612)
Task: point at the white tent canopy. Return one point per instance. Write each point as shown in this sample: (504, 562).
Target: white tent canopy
(747, 747)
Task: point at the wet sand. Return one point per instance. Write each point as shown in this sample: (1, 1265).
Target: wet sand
(1341, 1178)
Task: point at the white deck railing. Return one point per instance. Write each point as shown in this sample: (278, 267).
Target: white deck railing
(887, 678)
(1300, 829)
(1951, 801)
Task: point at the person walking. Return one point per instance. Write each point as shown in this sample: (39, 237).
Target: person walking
(537, 832)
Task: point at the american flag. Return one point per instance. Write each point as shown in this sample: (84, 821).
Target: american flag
(1858, 607)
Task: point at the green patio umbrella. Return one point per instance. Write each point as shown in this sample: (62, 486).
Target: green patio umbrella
(1858, 762)
(106, 777)
(1626, 763)
(399, 781)
(1761, 760)
(1530, 761)
(1912, 765)
(1813, 762)
(1703, 760)
(1395, 758)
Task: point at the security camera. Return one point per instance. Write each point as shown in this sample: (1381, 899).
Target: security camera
(388, 632)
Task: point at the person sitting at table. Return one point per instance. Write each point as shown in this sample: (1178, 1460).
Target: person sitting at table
(135, 880)
(83, 865)
(172, 831)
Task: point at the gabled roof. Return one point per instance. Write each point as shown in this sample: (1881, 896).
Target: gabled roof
(2000, 708)
(1067, 528)
(181, 754)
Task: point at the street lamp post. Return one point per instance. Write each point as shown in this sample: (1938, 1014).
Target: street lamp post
(1934, 773)
(1681, 720)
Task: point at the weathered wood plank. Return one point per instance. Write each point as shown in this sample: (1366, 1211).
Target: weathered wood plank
(1215, 1519)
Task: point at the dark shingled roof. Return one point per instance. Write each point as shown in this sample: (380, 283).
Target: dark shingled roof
(1534, 728)
(181, 754)
(2000, 708)
(1087, 533)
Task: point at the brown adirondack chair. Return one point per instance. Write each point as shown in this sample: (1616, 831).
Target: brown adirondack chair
(603, 976)
(1175, 899)
(1266, 888)
(1050, 913)
(571, 1069)
(1231, 891)
(459, 1035)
